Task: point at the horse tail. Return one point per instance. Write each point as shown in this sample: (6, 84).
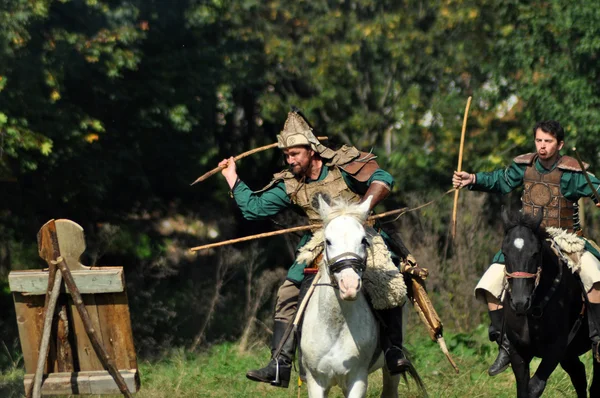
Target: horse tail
(412, 371)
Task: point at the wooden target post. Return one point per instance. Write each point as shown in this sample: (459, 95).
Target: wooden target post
(90, 347)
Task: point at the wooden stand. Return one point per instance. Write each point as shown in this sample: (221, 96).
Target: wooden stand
(73, 365)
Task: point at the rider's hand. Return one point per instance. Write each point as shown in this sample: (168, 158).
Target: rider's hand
(461, 179)
(229, 170)
(597, 204)
(409, 264)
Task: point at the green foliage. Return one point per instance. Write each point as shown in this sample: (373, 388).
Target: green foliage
(110, 109)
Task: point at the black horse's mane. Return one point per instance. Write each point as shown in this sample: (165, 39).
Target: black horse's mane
(520, 219)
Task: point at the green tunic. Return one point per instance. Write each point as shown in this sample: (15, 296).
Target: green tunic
(264, 204)
(573, 186)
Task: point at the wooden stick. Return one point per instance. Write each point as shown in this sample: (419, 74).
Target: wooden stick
(49, 252)
(105, 359)
(238, 157)
(283, 231)
(459, 168)
(54, 291)
(444, 349)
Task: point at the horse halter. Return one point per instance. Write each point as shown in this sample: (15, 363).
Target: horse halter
(525, 275)
(340, 262)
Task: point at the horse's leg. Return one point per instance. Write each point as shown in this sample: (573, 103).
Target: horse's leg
(315, 390)
(537, 384)
(595, 387)
(357, 388)
(390, 384)
(576, 370)
(520, 368)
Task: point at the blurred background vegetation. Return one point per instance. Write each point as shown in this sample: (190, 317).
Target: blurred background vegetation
(109, 109)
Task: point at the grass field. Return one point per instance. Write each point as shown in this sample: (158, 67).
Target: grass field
(220, 372)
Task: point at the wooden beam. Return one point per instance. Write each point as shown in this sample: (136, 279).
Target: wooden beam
(34, 282)
(85, 383)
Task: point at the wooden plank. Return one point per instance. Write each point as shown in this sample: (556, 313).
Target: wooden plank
(85, 383)
(64, 361)
(97, 280)
(29, 311)
(86, 356)
(71, 243)
(113, 311)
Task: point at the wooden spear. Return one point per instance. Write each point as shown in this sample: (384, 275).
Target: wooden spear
(460, 157)
(243, 155)
(284, 231)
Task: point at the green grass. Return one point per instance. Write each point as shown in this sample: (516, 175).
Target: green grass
(220, 372)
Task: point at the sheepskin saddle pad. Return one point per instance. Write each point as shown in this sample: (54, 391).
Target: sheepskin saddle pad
(567, 246)
(382, 281)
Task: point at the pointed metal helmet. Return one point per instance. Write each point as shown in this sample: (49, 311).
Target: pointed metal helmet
(297, 132)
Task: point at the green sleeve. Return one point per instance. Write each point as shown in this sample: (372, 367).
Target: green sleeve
(361, 187)
(574, 186)
(259, 205)
(500, 181)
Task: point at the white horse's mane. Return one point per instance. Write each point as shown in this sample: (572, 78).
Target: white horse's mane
(342, 207)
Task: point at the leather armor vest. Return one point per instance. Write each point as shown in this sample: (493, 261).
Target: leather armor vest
(305, 195)
(543, 191)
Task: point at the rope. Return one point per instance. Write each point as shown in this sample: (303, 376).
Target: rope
(421, 206)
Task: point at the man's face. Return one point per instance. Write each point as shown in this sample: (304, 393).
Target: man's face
(546, 145)
(298, 158)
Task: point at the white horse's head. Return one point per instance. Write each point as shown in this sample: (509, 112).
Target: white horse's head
(346, 244)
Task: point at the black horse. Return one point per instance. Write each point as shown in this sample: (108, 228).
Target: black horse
(543, 309)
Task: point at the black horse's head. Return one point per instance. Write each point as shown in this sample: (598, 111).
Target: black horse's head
(522, 248)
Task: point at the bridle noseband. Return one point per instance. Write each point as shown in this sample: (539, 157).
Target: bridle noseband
(525, 275)
(341, 261)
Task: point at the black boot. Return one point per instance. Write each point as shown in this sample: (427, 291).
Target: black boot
(594, 325)
(391, 340)
(495, 334)
(278, 371)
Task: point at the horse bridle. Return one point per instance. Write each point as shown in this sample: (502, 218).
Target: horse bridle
(537, 276)
(341, 261)
(525, 275)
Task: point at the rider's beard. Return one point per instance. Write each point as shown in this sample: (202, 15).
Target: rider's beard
(298, 170)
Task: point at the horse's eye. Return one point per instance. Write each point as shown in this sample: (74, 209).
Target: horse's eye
(365, 242)
(327, 242)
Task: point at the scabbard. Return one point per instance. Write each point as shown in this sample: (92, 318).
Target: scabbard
(423, 306)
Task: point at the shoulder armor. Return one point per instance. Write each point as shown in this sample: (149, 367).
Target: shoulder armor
(362, 167)
(526, 158)
(571, 164)
(281, 176)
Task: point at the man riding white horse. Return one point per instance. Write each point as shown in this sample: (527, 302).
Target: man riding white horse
(553, 183)
(315, 170)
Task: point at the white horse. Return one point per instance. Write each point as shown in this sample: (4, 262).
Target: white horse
(340, 335)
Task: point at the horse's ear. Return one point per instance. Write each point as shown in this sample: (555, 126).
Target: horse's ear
(324, 208)
(366, 205)
(505, 217)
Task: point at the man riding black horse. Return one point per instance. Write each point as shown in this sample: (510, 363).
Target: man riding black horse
(553, 183)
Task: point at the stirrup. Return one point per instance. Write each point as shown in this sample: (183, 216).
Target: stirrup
(401, 365)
